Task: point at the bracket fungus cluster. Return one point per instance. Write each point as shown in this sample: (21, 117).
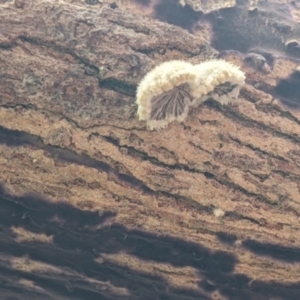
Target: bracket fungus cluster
(167, 92)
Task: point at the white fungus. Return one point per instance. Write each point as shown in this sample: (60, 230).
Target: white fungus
(167, 92)
(219, 213)
(164, 93)
(219, 80)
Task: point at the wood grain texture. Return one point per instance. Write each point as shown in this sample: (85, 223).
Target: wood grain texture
(94, 206)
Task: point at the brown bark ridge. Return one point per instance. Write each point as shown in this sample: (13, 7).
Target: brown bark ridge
(94, 206)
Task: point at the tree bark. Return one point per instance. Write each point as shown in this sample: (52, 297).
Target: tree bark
(94, 206)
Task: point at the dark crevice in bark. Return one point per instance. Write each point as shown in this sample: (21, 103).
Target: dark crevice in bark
(256, 149)
(199, 147)
(247, 122)
(14, 138)
(221, 180)
(118, 86)
(54, 46)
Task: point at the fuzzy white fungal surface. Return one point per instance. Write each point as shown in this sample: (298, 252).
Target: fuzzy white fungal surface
(167, 92)
(163, 95)
(219, 213)
(217, 79)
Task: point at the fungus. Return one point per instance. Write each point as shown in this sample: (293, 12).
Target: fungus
(219, 213)
(167, 92)
(163, 95)
(172, 104)
(217, 79)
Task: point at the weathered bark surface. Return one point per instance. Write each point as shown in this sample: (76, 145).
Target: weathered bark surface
(94, 206)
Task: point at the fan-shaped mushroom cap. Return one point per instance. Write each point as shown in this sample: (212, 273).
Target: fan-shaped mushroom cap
(164, 93)
(217, 79)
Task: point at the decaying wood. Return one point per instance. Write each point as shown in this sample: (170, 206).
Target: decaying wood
(94, 206)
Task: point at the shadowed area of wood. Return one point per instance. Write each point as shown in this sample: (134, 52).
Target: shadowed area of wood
(94, 206)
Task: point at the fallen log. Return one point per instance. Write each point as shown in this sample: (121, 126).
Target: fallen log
(95, 206)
